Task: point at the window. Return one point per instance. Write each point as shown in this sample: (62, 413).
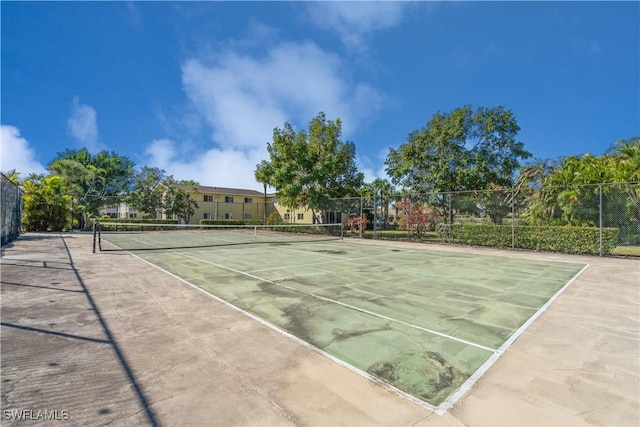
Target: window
(247, 216)
(248, 200)
(208, 198)
(228, 199)
(300, 217)
(287, 217)
(228, 216)
(207, 215)
(133, 215)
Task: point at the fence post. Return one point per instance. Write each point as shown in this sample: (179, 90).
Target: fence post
(513, 219)
(600, 219)
(375, 215)
(449, 217)
(360, 227)
(409, 221)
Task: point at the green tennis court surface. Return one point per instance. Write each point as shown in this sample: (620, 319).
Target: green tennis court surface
(420, 320)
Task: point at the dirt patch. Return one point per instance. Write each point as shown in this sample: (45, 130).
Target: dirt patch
(332, 252)
(425, 374)
(297, 322)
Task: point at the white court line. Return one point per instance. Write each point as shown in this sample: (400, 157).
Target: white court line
(466, 386)
(440, 409)
(341, 260)
(320, 297)
(300, 341)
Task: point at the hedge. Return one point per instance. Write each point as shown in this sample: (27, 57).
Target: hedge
(229, 222)
(107, 220)
(565, 239)
(134, 224)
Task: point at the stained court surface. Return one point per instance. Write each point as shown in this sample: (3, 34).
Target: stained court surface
(110, 338)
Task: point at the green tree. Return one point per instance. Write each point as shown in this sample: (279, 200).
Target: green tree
(569, 192)
(93, 180)
(459, 151)
(46, 203)
(625, 160)
(264, 175)
(116, 175)
(311, 168)
(179, 198)
(13, 176)
(77, 178)
(365, 190)
(382, 188)
(147, 191)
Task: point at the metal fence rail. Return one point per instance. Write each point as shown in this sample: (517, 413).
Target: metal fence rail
(602, 219)
(11, 210)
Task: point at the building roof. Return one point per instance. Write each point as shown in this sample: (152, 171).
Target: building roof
(233, 191)
(226, 190)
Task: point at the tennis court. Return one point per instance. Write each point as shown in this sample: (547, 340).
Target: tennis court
(426, 324)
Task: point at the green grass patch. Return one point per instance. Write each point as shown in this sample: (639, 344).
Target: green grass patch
(627, 251)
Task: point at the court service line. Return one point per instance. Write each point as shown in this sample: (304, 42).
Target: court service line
(353, 307)
(364, 374)
(342, 260)
(466, 386)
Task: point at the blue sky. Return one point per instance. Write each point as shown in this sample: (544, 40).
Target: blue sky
(196, 88)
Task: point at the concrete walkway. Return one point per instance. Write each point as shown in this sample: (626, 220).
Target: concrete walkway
(106, 339)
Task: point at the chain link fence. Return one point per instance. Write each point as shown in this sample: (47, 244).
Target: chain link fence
(601, 219)
(11, 210)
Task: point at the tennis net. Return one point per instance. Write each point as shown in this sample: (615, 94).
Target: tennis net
(122, 236)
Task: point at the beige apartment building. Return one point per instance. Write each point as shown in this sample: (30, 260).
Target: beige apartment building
(231, 204)
(236, 204)
(227, 204)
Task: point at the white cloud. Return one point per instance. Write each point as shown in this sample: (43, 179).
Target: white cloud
(83, 125)
(218, 167)
(373, 168)
(134, 13)
(355, 20)
(15, 153)
(242, 98)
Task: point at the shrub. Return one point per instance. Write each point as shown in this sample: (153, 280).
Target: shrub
(357, 224)
(415, 217)
(133, 224)
(275, 219)
(565, 239)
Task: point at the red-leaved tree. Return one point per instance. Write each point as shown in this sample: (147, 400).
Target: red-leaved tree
(357, 224)
(415, 217)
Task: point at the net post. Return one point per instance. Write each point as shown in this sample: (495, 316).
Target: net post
(94, 237)
(341, 231)
(255, 233)
(99, 229)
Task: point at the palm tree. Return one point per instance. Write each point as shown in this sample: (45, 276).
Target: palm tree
(78, 179)
(383, 188)
(13, 176)
(264, 174)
